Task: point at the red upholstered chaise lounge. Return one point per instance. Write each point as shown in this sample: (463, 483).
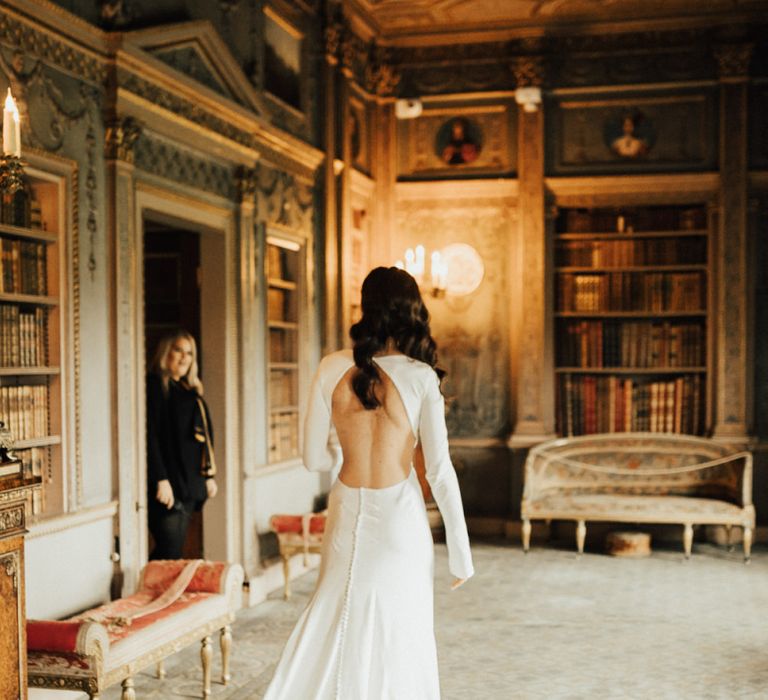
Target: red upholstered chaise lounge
(96, 649)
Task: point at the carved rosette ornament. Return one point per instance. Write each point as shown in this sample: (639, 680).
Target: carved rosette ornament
(334, 34)
(12, 519)
(528, 71)
(120, 137)
(733, 61)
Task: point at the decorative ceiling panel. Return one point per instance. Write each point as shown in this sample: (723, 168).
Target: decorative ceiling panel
(414, 21)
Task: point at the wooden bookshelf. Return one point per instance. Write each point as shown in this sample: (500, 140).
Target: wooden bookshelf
(32, 273)
(284, 308)
(631, 319)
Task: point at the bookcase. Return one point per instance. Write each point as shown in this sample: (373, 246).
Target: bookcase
(31, 242)
(632, 325)
(284, 320)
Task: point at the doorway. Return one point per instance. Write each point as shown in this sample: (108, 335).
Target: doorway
(172, 301)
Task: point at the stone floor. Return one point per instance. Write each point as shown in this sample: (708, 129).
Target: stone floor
(550, 625)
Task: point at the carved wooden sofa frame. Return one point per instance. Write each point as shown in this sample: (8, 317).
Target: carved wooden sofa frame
(639, 478)
(81, 654)
(297, 534)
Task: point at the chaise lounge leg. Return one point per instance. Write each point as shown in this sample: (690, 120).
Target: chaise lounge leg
(581, 535)
(206, 655)
(729, 537)
(688, 540)
(287, 577)
(526, 535)
(161, 669)
(128, 690)
(226, 646)
(747, 544)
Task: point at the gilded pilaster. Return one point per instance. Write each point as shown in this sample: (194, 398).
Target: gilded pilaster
(531, 305)
(125, 248)
(733, 394)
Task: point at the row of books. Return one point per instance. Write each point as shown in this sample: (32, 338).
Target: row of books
(21, 208)
(24, 410)
(632, 291)
(630, 344)
(22, 337)
(24, 267)
(626, 220)
(623, 253)
(283, 387)
(283, 436)
(34, 460)
(596, 404)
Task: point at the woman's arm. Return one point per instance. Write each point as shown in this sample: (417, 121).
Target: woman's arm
(442, 479)
(321, 449)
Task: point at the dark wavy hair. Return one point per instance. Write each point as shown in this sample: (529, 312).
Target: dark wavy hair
(392, 308)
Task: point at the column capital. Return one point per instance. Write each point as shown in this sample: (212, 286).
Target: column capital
(247, 182)
(528, 71)
(120, 137)
(733, 61)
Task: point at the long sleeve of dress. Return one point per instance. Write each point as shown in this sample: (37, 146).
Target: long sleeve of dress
(321, 450)
(442, 479)
(157, 430)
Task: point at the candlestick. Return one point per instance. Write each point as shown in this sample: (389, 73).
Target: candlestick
(11, 127)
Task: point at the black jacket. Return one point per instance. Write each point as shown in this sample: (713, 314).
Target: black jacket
(173, 450)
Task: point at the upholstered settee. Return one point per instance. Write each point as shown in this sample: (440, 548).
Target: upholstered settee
(113, 642)
(297, 534)
(639, 478)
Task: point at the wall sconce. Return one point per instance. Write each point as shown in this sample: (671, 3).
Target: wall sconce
(11, 171)
(456, 270)
(529, 98)
(415, 266)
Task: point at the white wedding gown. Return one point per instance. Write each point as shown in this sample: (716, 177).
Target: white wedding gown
(367, 632)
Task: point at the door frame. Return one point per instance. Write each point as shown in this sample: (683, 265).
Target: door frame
(215, 222)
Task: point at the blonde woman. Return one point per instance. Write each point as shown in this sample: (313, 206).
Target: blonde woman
(180, 466)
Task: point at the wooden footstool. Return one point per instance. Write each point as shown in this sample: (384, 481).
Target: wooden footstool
(628, 544)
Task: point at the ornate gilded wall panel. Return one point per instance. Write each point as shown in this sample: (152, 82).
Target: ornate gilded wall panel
(632, 133)
(472, 332)
(455, 139)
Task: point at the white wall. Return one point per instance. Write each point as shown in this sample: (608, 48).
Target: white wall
(68, 567)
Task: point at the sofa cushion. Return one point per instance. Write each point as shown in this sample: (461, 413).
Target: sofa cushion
(658, 508)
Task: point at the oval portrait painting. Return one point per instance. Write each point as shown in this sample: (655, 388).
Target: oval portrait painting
(459, 141)
(629, 135)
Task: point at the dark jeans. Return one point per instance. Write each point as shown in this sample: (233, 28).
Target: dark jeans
(169, 528)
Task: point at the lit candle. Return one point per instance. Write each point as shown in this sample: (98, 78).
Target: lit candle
(11, 127)
(409, 261)
(419, 260)
(435, 269)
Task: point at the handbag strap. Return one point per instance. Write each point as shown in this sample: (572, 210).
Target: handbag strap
(208, 446)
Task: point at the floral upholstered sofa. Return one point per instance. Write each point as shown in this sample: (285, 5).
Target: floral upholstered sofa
(112, 643)
(639, 478)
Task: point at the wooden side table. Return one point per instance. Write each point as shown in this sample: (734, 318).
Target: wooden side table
(16, 492)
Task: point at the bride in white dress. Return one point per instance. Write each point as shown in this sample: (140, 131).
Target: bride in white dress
(367, 632)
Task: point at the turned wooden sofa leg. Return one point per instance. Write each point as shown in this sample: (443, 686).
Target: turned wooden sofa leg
(226, 647)
(581, 535)
(526, 535)
(206, 655)
(128, 690)
(287, 577)
(688, 540)
(747, 544)
(161, 669)
(729, 537)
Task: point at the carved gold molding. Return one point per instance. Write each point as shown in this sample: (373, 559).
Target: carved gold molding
(528, 71)
(9, 563)
(12, 520)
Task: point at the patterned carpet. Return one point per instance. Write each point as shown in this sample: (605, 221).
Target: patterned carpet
(551, 626)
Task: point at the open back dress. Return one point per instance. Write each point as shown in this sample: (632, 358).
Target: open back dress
(367, 632)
